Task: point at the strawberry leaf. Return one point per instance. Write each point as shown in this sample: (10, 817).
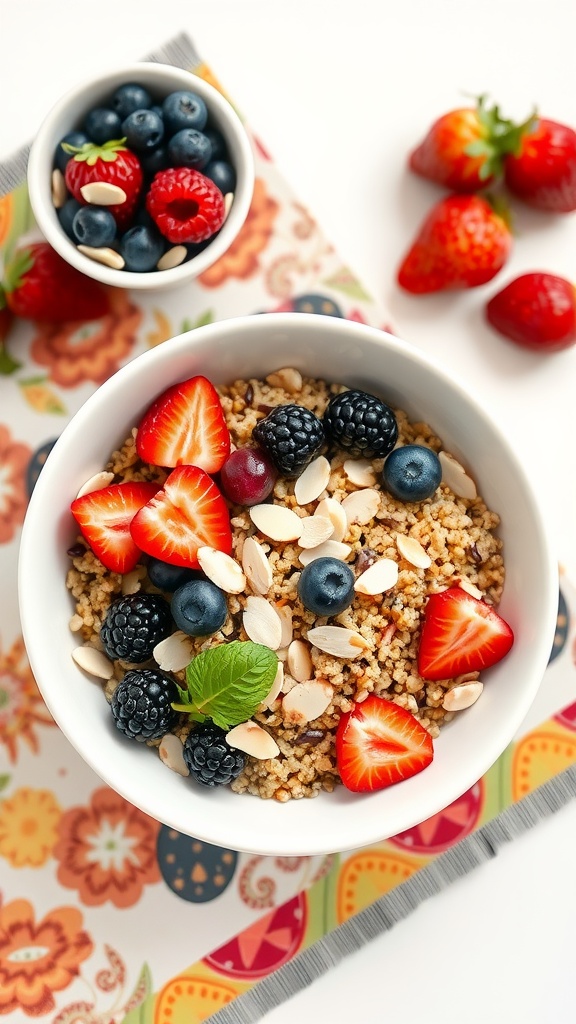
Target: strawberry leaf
(228, 682)
(89, 153)
(20, 264)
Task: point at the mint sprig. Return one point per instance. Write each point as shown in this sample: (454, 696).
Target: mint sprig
(227, 683)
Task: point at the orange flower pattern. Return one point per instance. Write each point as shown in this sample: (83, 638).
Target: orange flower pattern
(38, 959)
(76, 352)
(107, 850)
(21, 706)
(28, 827)
(14, 458)
(241, 259)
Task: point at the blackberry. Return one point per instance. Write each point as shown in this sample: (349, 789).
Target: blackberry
(292, 435)
(142, 704)
(360, 424)
(210, 759)
(134, 625)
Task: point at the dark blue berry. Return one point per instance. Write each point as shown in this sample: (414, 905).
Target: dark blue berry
(129, 97)
(156, 160)
(141, 248)
(412, 473)
(217, 141)
(189, 148)
(170, 577)
(222, 174)
(199, 608)
(66, 216)
(76, 139)
(102, 124)
(183, 109)
(94, 226)
(142, 704)
(326, 586)
(143, 130)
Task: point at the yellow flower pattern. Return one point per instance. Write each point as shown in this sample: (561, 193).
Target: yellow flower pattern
(29, 827)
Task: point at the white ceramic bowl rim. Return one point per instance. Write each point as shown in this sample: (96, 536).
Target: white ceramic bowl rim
(70, 108)
(331, 822)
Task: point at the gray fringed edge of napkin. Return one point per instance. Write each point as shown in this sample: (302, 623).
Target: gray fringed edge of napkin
(382, 915)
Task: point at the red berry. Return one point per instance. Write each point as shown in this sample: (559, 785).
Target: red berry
(40, 285)
(112, 163)
(537, 311)
(185, 205)
(248, 476)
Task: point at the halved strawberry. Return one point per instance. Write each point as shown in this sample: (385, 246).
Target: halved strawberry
(104, 518)
(187, 513)
(460, 634)
(185, 425)
(378, 744)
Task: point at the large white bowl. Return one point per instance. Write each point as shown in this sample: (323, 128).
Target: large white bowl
(358, 356)
(68, 114)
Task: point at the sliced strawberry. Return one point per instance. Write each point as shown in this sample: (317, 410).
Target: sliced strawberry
(104, 519)
(187, 513)
(378, 744)
(460, 634)
(185, 425)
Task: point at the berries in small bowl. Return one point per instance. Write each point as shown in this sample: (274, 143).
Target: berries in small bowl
(141, 178)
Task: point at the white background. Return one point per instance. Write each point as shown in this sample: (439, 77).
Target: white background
(340, 92)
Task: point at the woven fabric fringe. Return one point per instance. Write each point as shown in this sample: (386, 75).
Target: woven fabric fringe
(383, 914)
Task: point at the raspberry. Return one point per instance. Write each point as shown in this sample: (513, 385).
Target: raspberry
(134, 625)
(186, 206)
(209, 757)
(142, 704)
(292, 436)
(361, 424)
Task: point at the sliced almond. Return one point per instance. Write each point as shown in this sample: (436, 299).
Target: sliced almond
(329, 549)
(299, 661)
(312, 481)
(170, 751)
(412, 550)
(276, 522)
(228, 200)
(460, 697)
(469, 587)
(253, 740)
(456, 478)
(332, 510)
(315, 530)
(222, 570)
(360, 472)
(76, 623)
(288, 378)
(59, 190)
(284, 613)
(103, 193)
(306, 701)
(256, 566)
(174, 653)
(94, 662)
(173, 257)
(262, 622)
(381, 576)
(361, 506)
(276, 688)
(338, 641)
(109, 257)
(96, 483)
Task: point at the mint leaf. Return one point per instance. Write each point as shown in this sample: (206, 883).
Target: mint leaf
(228, 682)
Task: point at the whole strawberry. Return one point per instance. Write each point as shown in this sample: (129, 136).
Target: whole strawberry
(112, 163)
(543, 173)
(537, 311)
(462, 243)
(40, 285)
(464, 149)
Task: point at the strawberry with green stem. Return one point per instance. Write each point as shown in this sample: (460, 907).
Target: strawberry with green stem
(39, 285)
(112, 163)
(7, 363)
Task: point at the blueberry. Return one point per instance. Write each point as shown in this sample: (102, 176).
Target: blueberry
(170, 577)
(102, 124)
(129, 97)
(66, 216)
(77, 139)
(189, 148)
(222, 174)
(218, 142)
(412, 473)
(143, 130)
(184, 109)
(199, 608)
(154, 161)
(141, 248)
(326, 586)
(94, 226)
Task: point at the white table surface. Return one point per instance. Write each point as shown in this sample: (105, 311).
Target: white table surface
(339, 91)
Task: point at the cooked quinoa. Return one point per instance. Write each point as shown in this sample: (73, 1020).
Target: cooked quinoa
(457, 534)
